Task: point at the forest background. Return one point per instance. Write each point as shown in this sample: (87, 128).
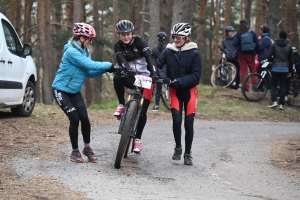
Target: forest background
(47, 25)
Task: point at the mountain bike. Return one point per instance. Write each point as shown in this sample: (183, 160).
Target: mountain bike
(225, 73)
(131, 115)
(258, 90)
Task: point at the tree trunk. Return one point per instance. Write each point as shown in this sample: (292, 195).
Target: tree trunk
(165, 17)
(154, 22)
(261, 12)
(206, 70)
(227, 13)
(77, 11)
(116, 19)
(96, 83)
(188, 11)
(248, 10)
(45, 47)
(177, 12)
(291, 23)
(12, 12)
(217, 30)
(18, 16)
(145, 20)
(27, 21)
(272, 18)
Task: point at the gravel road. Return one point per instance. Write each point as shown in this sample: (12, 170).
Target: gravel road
(230, 162)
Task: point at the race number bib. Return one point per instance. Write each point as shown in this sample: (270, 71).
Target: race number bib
(143, 81)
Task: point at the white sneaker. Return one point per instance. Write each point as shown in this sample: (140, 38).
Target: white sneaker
(286, 98)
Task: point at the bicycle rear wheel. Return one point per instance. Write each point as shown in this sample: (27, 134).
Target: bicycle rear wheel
(164, 96)
(125, 139)
(257, 91)
(223, 75)
(294, 93)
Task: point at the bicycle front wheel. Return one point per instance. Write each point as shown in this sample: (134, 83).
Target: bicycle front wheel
(223, 75)
(255, 91)
(294, 93)
(124, 144)
(164, 96)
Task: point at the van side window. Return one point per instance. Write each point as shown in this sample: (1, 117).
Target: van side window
(12, 41)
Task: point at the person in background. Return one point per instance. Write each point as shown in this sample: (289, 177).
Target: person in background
(184, 67)
(231, 55)
(281, 54)
(296, 70)
(162, 38)
(76, 65)
(246, 56)
(133, 53)
(264, 45)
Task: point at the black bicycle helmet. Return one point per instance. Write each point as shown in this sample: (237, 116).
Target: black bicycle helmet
(229, 28)
(124, 26)
(181, 29)
(161, 36)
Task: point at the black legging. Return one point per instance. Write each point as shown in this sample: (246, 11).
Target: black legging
(183, 97)
(119, 83)
(74, 107)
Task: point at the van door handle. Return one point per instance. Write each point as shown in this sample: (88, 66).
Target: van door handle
(2, 61)
(9, 62)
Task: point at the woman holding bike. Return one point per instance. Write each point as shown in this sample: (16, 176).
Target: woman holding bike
(183, 62)
(76, 65)
(157, 50)
(133, 53)
(231, 55)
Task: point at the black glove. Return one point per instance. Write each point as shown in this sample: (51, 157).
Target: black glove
(131, 72)
(111, 69)
(167, 81)
(154, 78)
(174, 84)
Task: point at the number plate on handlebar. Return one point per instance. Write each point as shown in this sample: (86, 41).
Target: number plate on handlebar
(143, 81)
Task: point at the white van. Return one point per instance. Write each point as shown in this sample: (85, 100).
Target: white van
(18, 74)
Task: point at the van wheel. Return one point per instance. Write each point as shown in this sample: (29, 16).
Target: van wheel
(26, 108)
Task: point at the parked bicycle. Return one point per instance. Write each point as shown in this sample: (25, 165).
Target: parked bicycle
(258, 86)
(131, 115)
(164, 95)
(225, 73)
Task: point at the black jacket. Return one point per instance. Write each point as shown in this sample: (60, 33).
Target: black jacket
(183, 64)
(281, 54)
(136, 56)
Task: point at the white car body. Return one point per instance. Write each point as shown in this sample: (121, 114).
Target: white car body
(17, 69)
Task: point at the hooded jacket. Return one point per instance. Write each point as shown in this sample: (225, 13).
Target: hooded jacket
(183, 64)
(264, 46)
(76, 64)
(281, 54)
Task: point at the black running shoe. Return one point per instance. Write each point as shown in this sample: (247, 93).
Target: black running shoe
(188, 159)
(177, 153)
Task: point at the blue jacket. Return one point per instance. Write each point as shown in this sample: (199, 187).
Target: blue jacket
(237, 43)
(183, 64)
(264, 46)
(76, 64)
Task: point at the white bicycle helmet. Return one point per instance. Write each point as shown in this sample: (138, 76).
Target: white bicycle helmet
(181, 29)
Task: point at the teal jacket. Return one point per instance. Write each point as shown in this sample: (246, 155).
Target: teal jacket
(76, 65)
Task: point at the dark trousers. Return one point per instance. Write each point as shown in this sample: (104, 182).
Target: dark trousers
(278, 78)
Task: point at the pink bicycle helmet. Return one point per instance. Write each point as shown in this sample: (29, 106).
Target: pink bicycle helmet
(83, 29)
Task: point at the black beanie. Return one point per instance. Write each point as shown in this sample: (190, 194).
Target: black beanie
(283, 34)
